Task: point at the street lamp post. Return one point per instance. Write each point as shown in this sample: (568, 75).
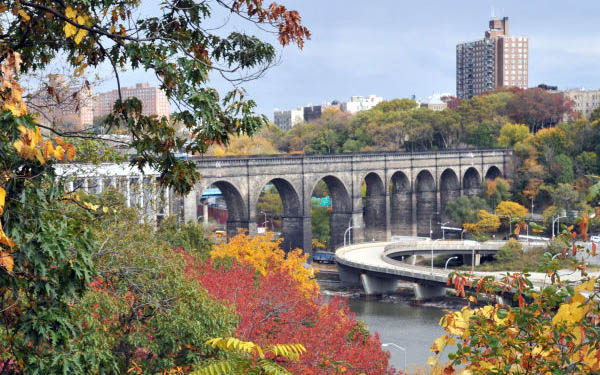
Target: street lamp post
(430, 230)
(349, 238)
(385, 345)
(557, 219)
(442, 228)
(448, 261)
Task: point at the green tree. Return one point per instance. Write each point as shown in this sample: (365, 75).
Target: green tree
(464, 209)
(142, 313)
(321, 217)
(482, 136)
(562, 169)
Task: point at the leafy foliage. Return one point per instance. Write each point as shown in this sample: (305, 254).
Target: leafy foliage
(252, 358)
(550, 330)
(174, 44)
(274, 307)
(263, 253)
(45, 243)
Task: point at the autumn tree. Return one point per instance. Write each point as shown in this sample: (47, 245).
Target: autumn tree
(538, 108)
(550, 328)
(511, 134)
(275, 306)
(486, 223)
(46, 241)
(176, 47)
(264, 254)
(509, 211)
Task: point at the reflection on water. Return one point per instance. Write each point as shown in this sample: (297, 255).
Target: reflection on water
(412, 327)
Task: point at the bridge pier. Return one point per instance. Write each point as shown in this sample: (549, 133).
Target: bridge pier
(375, 218)
(293, 232)
(425, 292)
(467, 259)
(376, 285)
(190, 208)
(348, 276)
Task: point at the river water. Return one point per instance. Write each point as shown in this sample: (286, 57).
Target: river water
(400, 321)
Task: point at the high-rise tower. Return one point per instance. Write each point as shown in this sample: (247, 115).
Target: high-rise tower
(497, 60)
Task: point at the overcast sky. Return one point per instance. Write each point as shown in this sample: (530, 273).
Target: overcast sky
(399, 48)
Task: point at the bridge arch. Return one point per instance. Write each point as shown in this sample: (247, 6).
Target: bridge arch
(426, 203)
(493, 173)
(291, 217)
(449, 190)
(472, 182)
(374, 210)
(237, 209)
(341, 208)
(400, 204)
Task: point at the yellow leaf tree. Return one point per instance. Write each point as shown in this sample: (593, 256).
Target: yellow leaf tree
(263, 252)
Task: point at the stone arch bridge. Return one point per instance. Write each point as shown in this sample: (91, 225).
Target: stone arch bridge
(404, 191)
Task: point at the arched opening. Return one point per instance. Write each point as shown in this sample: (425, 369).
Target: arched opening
(374, 208)
(427, 216)
(472, 182)
(337, 208)
(223, 208)
(400, 205)
(493, 173)
(278, 209)
(449, 191)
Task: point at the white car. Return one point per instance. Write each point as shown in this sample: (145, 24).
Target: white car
(595, 239)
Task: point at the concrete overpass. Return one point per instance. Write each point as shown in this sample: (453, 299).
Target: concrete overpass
(372, 265)
(404, 191)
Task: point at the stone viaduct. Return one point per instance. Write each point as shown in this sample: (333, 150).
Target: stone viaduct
(404, 191)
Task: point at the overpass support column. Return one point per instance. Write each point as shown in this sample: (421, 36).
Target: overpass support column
(467, 259)
(348, 275)
(425, 292)
(190, 207)
(376, 285)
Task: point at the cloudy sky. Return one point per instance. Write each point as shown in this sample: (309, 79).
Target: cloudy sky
(399, 48)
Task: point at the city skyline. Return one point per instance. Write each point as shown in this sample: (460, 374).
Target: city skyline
(397, 50)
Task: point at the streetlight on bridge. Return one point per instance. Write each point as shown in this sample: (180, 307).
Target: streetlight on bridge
(430, 230)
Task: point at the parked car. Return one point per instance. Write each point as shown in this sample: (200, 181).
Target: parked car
(323, 257)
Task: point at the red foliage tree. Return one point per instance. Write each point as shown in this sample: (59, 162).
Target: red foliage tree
(538, 108)
(272, 308)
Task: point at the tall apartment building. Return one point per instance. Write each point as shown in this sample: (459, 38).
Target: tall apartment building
(497, 60)
(585, 101)
(63, 105)
(154, 101)
(287, 119)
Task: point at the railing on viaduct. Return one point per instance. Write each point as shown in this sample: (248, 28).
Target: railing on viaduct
(405, 192)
